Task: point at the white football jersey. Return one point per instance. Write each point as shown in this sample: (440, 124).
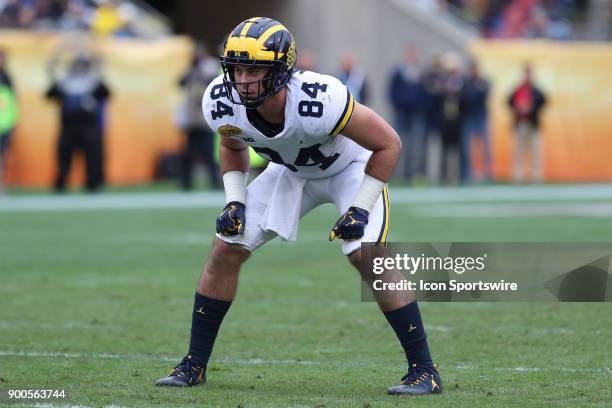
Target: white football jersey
(311, 145)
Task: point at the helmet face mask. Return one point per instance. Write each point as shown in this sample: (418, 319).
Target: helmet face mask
(257, 90)
(262, 43)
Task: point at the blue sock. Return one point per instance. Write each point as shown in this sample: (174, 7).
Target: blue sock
(408, 326)
(207, 317)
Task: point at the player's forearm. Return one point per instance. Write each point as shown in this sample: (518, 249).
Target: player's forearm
(377, 173)
(234, 159)
(372, 132)
(234, 167)
(382, 162)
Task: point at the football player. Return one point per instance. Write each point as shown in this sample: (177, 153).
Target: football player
(323, 147)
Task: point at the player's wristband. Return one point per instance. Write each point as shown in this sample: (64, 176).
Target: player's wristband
(368, 193)
(235, 186)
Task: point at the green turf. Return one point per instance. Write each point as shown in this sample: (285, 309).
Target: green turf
(110, 293)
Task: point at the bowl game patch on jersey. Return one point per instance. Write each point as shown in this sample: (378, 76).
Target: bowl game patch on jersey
(228, 130)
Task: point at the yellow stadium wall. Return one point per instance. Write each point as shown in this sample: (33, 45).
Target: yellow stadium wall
(143, 77)
(577, 121)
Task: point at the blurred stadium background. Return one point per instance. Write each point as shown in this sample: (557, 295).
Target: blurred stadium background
(142, 53)
(96, 289)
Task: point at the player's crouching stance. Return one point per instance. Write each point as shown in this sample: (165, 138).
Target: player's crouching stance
(323, 147)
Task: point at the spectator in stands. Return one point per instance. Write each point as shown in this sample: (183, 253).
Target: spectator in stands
(107, 19)
(492, 18)
(75, 17)
(8, 113)
(520, 18)
(307, 60)
(49, 13)
(407, 96)
(9, 15)
(433, 83)
(542, 24)
(451, 117)
(526, 103)
(81, 95)
(474, 121)
(103, 17)
(353, 77)
(200, 139)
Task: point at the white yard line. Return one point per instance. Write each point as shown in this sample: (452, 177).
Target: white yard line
(59, 405)
(112, 356)
(52, 405)
(477, 210)
(20, 325)
(400, 195)
(258, 361)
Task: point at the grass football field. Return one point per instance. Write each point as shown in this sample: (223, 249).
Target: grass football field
(96, 296)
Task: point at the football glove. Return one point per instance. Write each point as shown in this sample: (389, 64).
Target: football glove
(351, 225)
(232, 219)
